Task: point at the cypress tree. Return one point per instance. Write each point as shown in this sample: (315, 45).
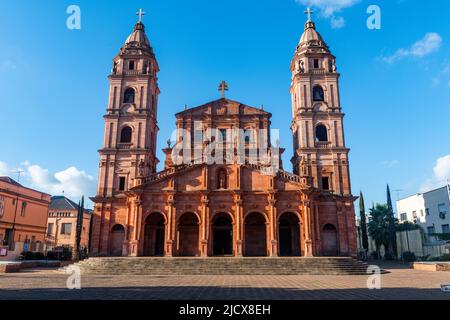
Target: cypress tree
(392, 236)
(362, 213)
(79, 227)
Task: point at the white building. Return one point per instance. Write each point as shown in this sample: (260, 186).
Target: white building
(431, 210)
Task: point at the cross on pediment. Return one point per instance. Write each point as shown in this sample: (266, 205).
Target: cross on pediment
(223, 86)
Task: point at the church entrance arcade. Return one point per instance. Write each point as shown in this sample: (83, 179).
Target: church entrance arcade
(188, 235)
(255, 238)
(289, 234)
(116, 240)
(154, 235)
(222, 234)
(330, 240)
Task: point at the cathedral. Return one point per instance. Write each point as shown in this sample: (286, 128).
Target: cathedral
(219, 199)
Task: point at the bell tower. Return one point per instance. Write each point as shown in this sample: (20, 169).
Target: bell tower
(130, 134)
(317, 126)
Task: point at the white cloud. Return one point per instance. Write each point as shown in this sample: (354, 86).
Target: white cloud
(330, 8)
(442, 76)
(4, 169)
(72, 181)
(8, 65)
(42, 178)
(7, 171)
(337, 23)
(431, 43)
(442, 168)
(390, 163)
(441, 172)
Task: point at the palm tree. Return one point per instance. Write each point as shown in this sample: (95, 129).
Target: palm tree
(378, 226)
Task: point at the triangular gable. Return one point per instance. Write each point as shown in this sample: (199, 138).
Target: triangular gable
(224, 107)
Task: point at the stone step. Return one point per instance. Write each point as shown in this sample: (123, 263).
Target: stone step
(218, 266)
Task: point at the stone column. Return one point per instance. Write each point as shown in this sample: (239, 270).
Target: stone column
(239, 224)
(204, 226)
(106, 230)
(169, 230)
(347, 239)
(273, 226)
(341, 228)
(308, 241)
(318, 234)
(133, 243)
(312, 228)
(351, 227)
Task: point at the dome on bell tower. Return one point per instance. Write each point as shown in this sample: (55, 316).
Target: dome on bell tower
(310, 33)
(311, 38)
(138, 37)
(137, 42)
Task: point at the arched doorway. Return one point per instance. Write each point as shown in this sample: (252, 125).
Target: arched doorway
(188, 235)
(154, 235)
(222, 232)
(329, 240)
(289, 234)
(117, 237)
(255, 240)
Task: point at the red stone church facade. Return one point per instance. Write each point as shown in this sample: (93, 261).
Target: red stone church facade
(235, 208)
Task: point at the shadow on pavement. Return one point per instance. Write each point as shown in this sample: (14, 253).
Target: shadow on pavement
(221, 293)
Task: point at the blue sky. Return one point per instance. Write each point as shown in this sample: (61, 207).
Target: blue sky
(395, 82)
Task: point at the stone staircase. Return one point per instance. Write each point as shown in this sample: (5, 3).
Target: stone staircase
(222, 266)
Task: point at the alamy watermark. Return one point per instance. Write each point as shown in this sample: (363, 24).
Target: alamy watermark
(73, 22)
(74, 279)
(374, 20)
(227, 146)
(374, 280)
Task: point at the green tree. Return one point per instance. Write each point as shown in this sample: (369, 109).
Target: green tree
(362, 213)
(378, 226)
(392, 248)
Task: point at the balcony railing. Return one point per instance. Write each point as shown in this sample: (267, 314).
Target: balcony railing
(124, 146)
(131, 73)
(323, 144)
(317, 71)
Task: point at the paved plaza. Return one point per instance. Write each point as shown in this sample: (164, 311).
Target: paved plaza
(399, 283)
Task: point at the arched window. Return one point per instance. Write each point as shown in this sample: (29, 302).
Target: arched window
(321, 133)
(318, 94)
(118, 228)
(125, 135)
(329, 227)
(129, 95)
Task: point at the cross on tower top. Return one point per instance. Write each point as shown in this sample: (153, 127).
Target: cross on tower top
(309, 12)
(223, 86)
(140, 14)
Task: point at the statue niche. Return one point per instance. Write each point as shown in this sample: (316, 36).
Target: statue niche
(222, 179)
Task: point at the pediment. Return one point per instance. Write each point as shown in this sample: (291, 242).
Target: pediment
(223, 107)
